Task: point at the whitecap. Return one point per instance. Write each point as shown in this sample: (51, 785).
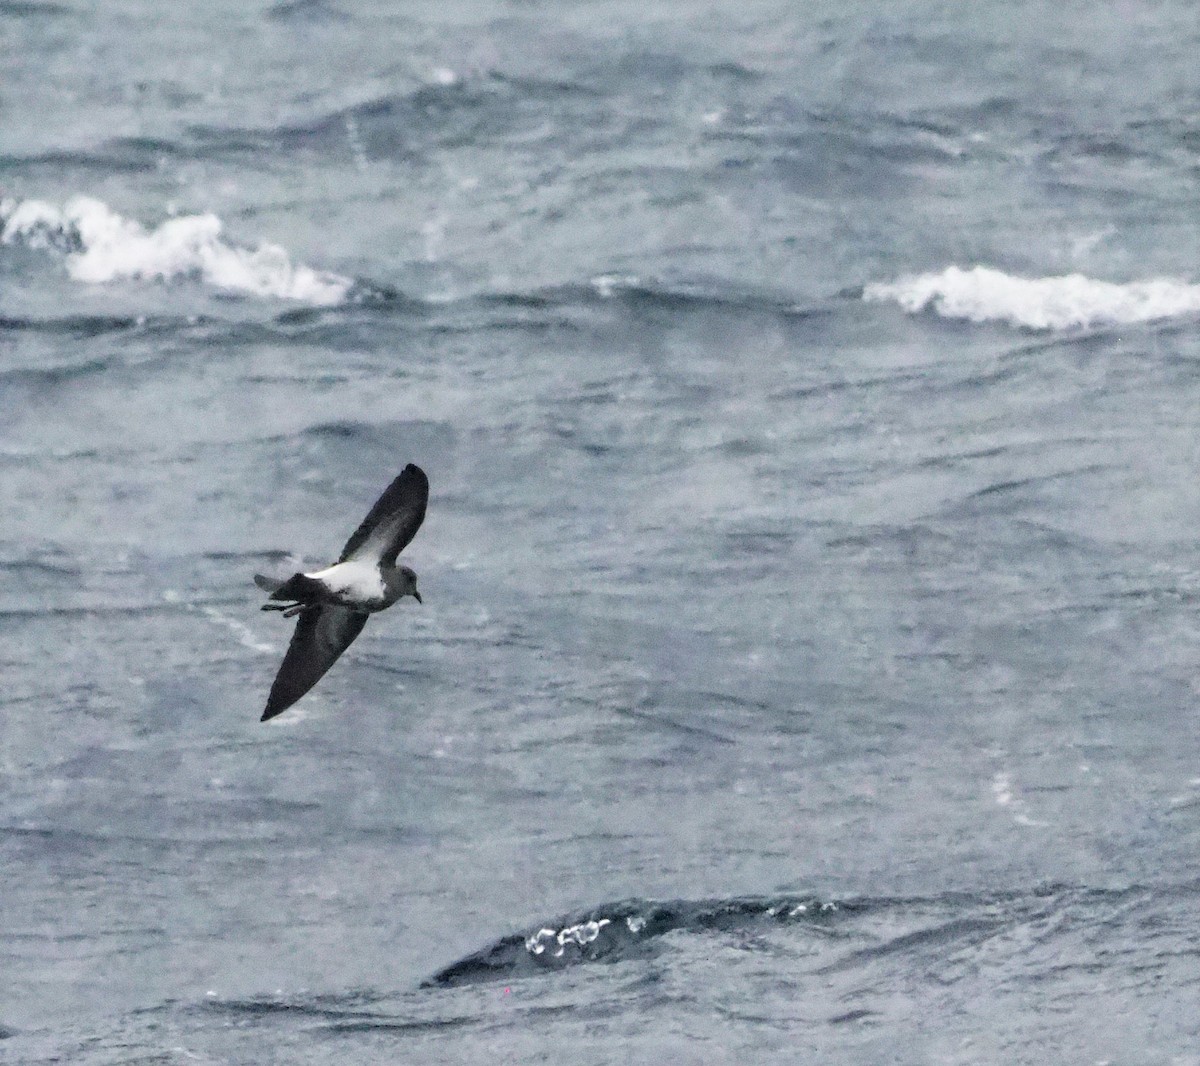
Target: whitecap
(982, 294)
(102, 246)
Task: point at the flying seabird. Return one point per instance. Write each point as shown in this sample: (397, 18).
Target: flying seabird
(333, 604)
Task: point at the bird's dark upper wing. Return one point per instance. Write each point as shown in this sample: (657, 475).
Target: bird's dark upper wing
(322, 634)
(393, 521)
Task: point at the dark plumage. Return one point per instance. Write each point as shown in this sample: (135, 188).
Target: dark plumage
(333, 604)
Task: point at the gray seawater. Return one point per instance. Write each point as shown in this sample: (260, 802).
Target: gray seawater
(808, 664)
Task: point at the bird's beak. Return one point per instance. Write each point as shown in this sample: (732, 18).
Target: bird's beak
(417, 596)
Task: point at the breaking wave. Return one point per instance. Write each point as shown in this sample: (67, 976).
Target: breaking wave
(849, 932)
(983, 294)
(622, 930)
(101, 245)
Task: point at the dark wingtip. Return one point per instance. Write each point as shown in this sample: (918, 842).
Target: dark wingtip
(278, 702)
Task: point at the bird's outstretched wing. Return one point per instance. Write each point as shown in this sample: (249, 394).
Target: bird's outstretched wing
(322, 634)
(393, 521)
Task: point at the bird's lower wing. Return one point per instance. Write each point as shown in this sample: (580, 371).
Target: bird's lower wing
(322, 634)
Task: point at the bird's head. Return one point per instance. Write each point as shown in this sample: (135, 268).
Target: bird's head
(406, 581)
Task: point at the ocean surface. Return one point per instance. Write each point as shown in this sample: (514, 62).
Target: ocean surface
(809, 664)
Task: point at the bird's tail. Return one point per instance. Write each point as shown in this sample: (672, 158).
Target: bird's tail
(298, 588)
(268, 584)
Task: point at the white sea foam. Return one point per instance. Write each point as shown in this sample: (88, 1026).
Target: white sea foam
(103, 246)
(982, 294)
(581, 934)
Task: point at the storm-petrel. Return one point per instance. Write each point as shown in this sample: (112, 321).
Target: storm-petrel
(333, 604)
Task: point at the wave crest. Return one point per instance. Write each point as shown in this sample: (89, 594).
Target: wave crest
(622, 930)
(982, 294)
(103, 246)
